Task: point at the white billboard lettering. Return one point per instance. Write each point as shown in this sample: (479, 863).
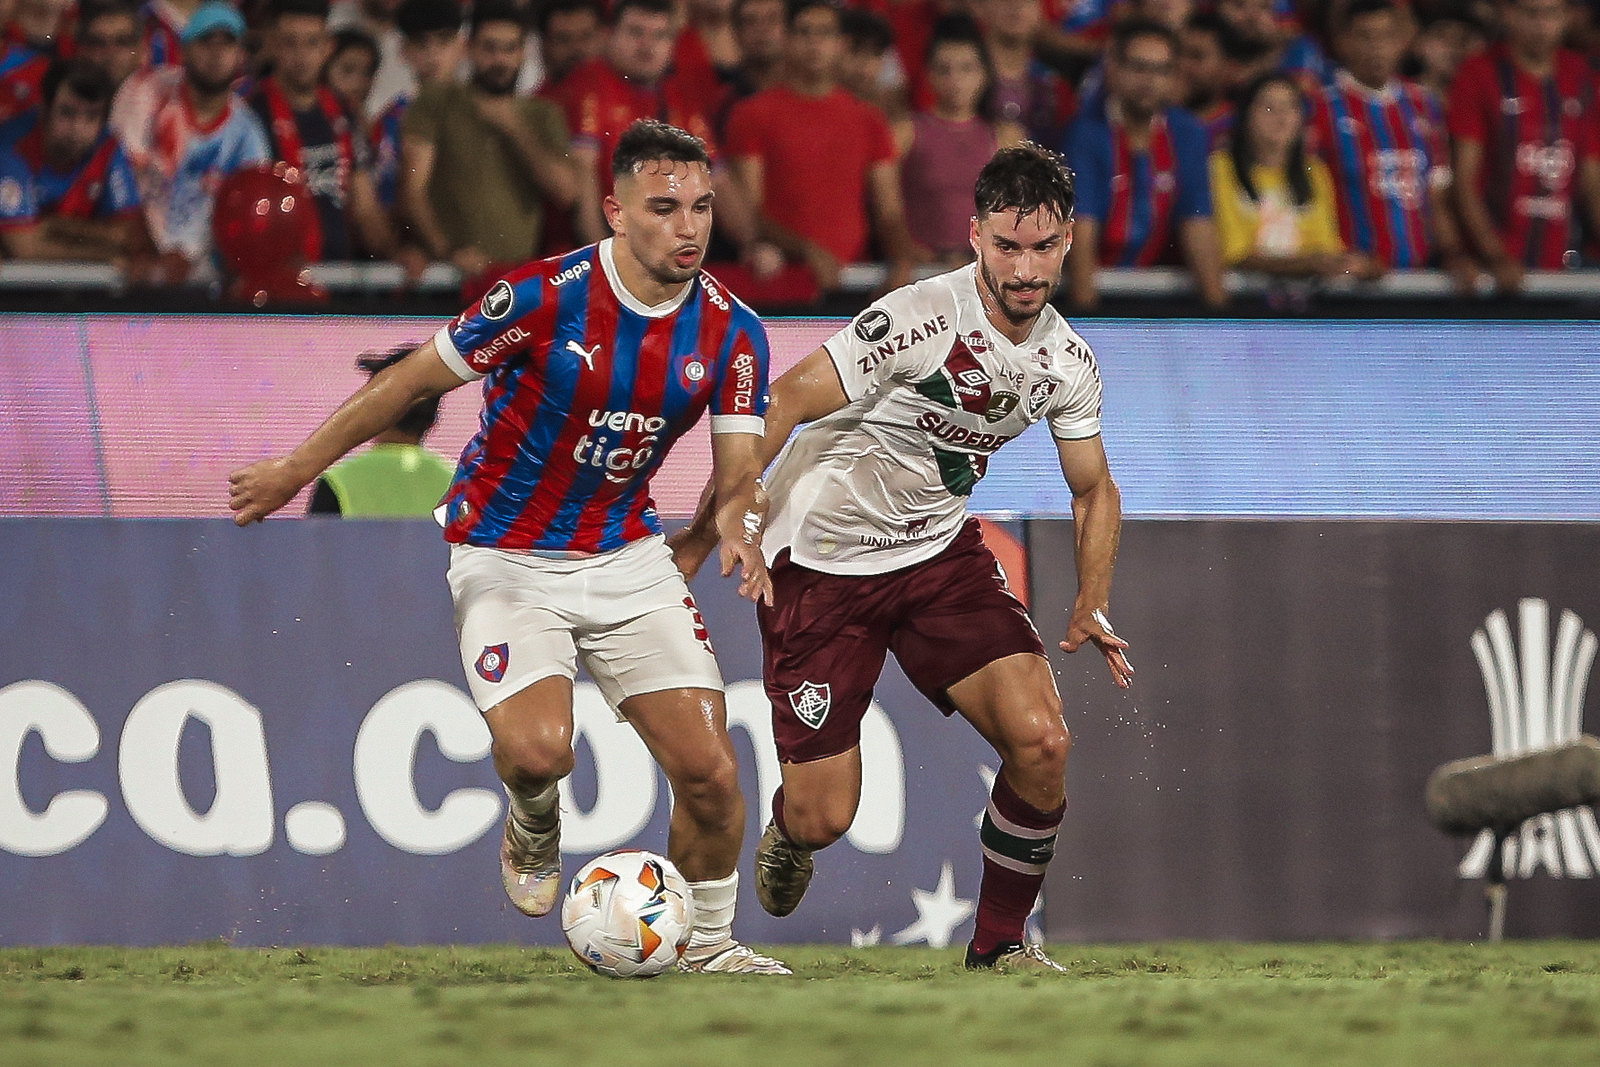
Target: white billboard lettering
(625, 779)
(70, 735)
(385, 762)
(239, 822)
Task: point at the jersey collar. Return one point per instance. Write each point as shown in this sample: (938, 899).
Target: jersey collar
(608, 264)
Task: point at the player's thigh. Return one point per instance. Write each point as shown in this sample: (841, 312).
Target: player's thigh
(532, 729)
(820, 798)
(686, 730)
(823, 648)
(1012, 702)
(957, 618)
(509, 625)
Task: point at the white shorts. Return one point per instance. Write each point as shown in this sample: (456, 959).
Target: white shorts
(627, 614)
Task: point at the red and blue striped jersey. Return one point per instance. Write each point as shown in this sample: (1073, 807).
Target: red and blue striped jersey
(1139, 198)
(21, 75)
(1535, 133)
(1387, 149)
(585, 390)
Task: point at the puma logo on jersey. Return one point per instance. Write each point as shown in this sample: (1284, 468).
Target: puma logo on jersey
(588, 354)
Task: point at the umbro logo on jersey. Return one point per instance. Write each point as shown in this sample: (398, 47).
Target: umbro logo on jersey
(587, 353)
(497, 301)
(811, 703)
(873, 325)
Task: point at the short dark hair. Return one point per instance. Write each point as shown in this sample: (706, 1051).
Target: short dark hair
(866, 30)
(277, 9)
(1130, 30)
(647, 140)
(957, 29)
(417, 17)
(1026, 178)
(551, 8)
(648, 7)
(103, 8)
(487, 11)
(1359, 8)
(1207, 22)
(87, 81)
(421, 416)
(800, 7)
(349, 39)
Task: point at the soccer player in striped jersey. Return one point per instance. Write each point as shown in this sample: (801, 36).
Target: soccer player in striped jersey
(593, 364)
(1383, 139)
(1527, 137)
(872, 549)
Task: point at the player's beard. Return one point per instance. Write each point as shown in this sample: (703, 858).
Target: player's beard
(1015, 316)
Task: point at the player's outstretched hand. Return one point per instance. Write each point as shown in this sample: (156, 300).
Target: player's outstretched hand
(1093, 626)
(690, 550)
(754, 581)
(256, 491)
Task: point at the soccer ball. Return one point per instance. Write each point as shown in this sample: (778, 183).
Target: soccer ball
(628, 914)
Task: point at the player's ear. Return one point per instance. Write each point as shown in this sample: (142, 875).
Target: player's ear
(612, 208)
(972, 235)
(1066, 238)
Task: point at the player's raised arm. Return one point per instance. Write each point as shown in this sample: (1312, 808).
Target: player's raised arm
(256, 491)
(810, 390)
(1097, 520)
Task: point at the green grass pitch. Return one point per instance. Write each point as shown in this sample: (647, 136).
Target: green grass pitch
(1527, 1003)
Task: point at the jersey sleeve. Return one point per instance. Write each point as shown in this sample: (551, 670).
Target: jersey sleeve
(494, 330)
(739, 404)
(896, 339)
(1090, 161)
(1075, 413)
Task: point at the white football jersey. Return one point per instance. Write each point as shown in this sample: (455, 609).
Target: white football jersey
(934, 391)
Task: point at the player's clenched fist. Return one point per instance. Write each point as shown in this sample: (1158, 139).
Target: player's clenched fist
(256, 491)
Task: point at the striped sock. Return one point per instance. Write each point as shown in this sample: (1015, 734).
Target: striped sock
(1018, 841)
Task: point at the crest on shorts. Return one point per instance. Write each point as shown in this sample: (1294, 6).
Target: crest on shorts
(491, 665)
(811, 703)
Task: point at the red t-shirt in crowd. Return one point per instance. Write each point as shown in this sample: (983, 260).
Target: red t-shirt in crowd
(1534, 132)
(600, 103)
(816, 153)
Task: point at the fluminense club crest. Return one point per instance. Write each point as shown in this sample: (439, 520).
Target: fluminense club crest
(811, 703)
(1535, 696)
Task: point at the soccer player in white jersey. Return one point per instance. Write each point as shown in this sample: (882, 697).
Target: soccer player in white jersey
(871, 548)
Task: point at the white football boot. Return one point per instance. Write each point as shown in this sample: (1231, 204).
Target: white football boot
(730, 957)
(530, 867)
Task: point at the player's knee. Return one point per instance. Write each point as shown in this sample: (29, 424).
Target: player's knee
(710, 791)
(1041, 751)
(533, 754)
(819, 823)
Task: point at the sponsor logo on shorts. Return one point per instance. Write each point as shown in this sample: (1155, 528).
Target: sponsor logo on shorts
(873, 325)
(497, 302)
(491, 665)
(1039, 396)
(811, 703)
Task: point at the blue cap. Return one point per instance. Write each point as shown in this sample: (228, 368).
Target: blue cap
(211, 17)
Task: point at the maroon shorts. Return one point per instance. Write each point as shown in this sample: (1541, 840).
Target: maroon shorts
(825, 637)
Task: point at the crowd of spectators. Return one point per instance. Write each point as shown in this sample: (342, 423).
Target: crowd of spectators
(1296, 138)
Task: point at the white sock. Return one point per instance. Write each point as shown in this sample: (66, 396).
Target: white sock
(535, 813)
(713, 911)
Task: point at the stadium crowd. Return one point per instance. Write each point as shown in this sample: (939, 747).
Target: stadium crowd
(1298, 139)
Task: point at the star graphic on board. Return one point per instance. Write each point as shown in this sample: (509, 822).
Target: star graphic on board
(863, 938)
(938, 912)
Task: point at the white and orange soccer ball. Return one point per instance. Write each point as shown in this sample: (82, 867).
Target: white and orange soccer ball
(628, 914)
